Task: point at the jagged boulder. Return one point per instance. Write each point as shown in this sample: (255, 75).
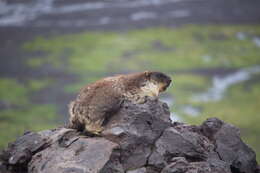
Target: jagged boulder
(229, 145)
(136, 128)
(138, 139)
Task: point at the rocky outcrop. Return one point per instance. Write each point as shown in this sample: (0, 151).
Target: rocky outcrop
(138, 139)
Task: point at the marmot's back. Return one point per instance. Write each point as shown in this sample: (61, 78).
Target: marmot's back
(93, 105)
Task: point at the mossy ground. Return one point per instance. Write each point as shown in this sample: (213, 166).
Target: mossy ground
(20, 114)
(92, 55)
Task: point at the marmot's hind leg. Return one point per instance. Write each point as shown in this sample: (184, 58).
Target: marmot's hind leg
(94, 127)
(101, 114)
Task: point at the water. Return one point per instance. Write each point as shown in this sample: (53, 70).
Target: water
(175, 117)
(256, 40)
(221, 84)
(143, 15)
(207, 58)
(179, 13)
(191, 111)
(241, 36)
(51, 13)
(168, 100)
(20, 14)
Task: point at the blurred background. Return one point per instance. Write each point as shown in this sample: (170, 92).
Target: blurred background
(49, 49)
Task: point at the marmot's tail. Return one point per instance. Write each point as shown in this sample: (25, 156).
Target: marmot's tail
(73, 120)
(71, 109)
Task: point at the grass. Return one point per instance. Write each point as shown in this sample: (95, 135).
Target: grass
(157, 48)
(92, 55)
(36, 85)
(33, 118)
(13, 93)
(240, 106)
(19, 114)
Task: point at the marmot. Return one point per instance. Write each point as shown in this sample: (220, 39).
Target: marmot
(98, 101)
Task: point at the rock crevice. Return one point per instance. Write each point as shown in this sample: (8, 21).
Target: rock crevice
(138, 139)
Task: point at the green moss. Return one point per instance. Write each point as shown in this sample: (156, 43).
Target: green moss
(18, 113)
(156, 48)
(36, 85)
(36, 62)
(34, 118)
(12, 92)
(15, 93)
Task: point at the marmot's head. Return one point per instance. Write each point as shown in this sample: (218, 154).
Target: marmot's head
(155, 83)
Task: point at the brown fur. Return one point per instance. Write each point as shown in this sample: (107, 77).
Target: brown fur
(98, 101)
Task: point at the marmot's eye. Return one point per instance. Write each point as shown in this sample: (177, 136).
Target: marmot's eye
(161, 76)
(158, 75)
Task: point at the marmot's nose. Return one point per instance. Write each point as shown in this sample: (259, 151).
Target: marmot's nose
(169, 82)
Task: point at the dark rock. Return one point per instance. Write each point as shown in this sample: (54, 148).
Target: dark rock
(19, 153)
(81, 156)
(181, 140)
(181, 165)
(114, 164)
(229, 145)
(3, 168)
(136, 128)
(217, 165)
(140, 170)
(138, 139)
(258, 169)
(210, 127)
(22, 150)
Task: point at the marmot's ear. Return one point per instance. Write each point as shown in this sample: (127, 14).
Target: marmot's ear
(147, 73)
